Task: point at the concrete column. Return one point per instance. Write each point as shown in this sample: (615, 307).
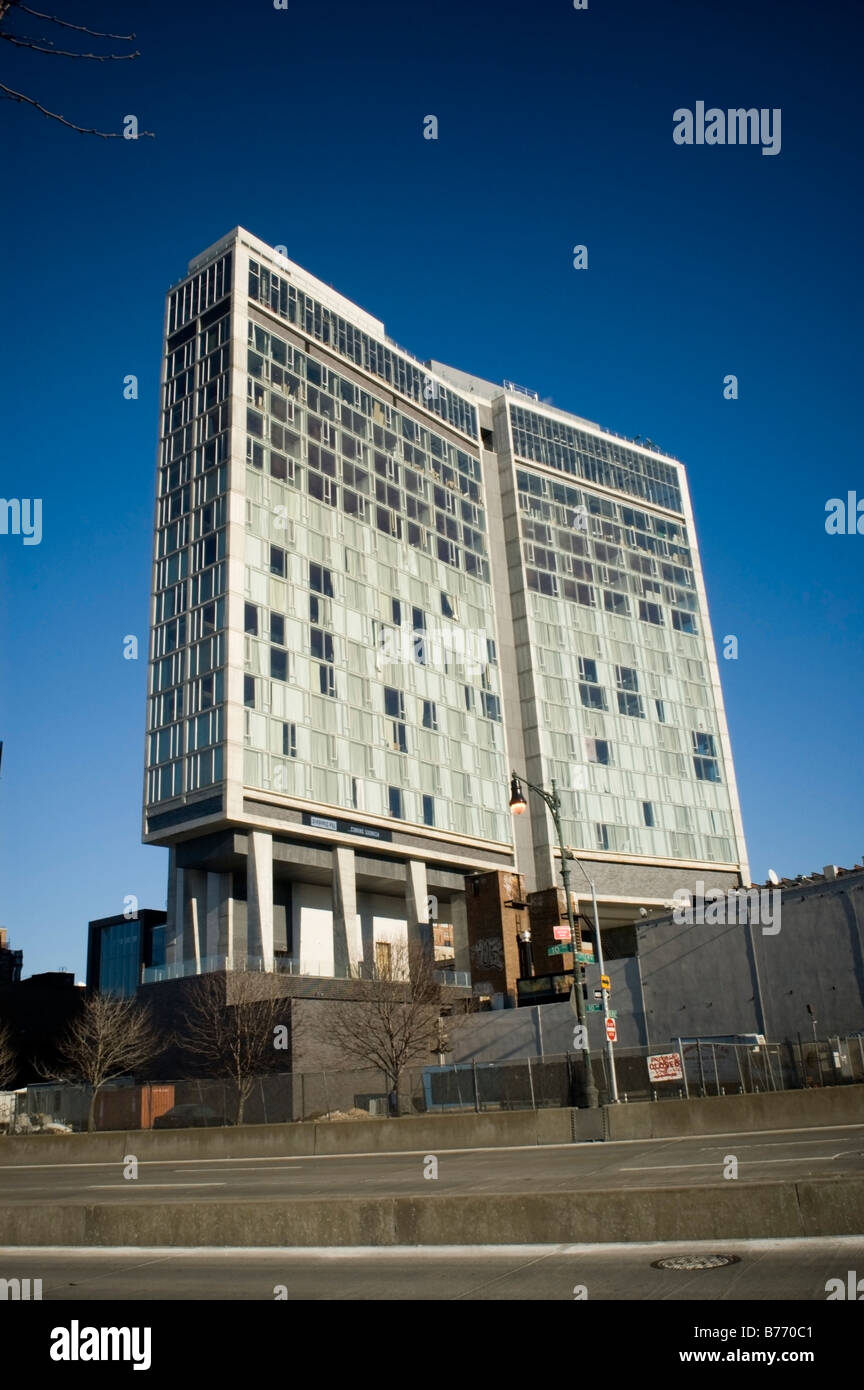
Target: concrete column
(347, 944)
(259, 896)
(416, 901)
(194, 915)
(173, 921)
(458, 914)
(217, 941)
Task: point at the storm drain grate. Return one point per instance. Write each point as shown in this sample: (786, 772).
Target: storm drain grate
(688, 1262)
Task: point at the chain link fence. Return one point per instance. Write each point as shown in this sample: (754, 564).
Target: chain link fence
(706, 1069)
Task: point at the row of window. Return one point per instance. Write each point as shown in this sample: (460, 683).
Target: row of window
(315, 320)
(596, 459)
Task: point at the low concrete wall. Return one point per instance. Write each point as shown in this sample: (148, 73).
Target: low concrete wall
(812, 1207)
(421, 1132)
(836, 1105)
(666, 1119)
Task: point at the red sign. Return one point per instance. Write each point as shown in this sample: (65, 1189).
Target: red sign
(666, 1066)
(611, 1030)
(561, 933)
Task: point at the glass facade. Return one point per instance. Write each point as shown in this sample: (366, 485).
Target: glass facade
(371, 668)
(187, 652)
(613, 618)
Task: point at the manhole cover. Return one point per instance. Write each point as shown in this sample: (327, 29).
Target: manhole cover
(688, 1262)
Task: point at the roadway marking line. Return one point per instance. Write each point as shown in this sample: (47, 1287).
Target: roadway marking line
(763, 1245)
(133, 1185)
(759, 1162)
(779, 1144)
(241, 1170)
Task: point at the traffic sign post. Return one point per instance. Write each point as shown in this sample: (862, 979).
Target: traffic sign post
(611, 1029)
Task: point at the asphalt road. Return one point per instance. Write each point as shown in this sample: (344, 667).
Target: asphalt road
(767, 1270)
(761, 1157)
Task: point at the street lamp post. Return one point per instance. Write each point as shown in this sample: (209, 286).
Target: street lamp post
(610, 1046)
(518, 805)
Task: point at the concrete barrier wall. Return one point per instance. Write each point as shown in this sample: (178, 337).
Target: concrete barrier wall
(435, 1132)
(833, 1105)
(837, 1105)
(813, 1207)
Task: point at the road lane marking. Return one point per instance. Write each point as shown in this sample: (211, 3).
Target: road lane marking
(135, 1186)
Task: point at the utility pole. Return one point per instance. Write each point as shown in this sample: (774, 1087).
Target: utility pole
(518, 805)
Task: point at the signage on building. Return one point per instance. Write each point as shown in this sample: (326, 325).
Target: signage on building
(666, 1066)
(346, 827)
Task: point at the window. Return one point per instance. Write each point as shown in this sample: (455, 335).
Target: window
(630, 704)
(250, 620)
(705, 757)
(648, 813)
(661, 711)
(626, 678)
(277, 561)
(321, 644)
(278, 664)
(394, 703)
(249, 692)
(289, 740)
(428, 810)
(588, 670)
(491, 706)
(684, 622)
(592, 696)
(396, 609)
(320, 580)
(603, 838)
(704, 743)
(383, 960)
(418, 623)
(394, 797)
(650, 613)
(277, 629)
(448, 605)
(598, 750)
(327, 681)
(616, 603)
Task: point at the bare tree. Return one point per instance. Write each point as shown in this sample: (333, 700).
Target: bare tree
(397, 1023)
(231, 1031)
(110, 1037)
(10, 10)
(8, 1056)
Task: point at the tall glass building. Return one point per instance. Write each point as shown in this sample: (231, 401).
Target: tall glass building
(378, 585)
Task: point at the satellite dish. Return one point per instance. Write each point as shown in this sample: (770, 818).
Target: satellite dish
(772, 877)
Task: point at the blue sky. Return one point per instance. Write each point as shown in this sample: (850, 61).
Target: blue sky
(555, 129)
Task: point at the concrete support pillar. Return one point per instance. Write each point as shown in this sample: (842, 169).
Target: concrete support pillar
(417, 907)
(259, 897)
(458, 914)
(218, 943)
(194, 915)
(347, 943)
(173, 921)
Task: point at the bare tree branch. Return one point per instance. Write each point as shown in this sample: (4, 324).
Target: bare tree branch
(397, 1024)
(233, 1040)
(64, 23)
(82, 130)
(20, 41)
(110, 1037)
(8, 1056)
